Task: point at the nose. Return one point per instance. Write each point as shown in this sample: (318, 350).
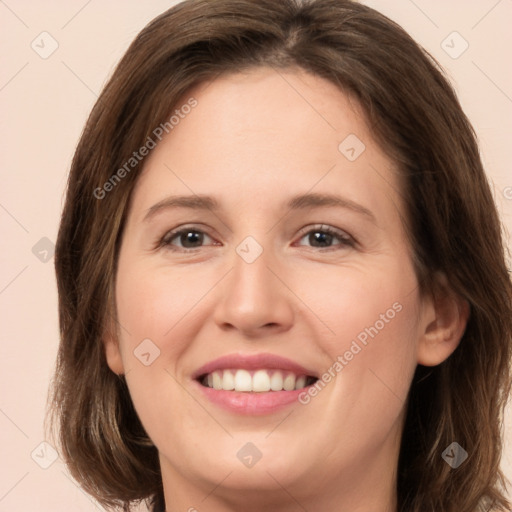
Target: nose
(255, 298)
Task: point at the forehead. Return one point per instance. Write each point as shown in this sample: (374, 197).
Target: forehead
(253, 135)
(278, 107)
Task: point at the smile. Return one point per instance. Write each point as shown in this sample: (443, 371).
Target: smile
(253, 384)
(258, 381)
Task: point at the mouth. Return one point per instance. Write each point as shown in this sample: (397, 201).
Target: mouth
(253, 384)
(255, 381)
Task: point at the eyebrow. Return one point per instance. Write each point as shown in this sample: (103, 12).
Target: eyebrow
(315, 200)
(194, 202)
(299, 202)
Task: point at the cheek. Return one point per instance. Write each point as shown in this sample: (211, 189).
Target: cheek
(159, 304)
(371, 345)
(363, 304)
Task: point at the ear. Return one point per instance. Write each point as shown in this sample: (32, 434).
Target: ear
(113, 351)
(445, 317)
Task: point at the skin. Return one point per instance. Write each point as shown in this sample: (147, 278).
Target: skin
(253, 141)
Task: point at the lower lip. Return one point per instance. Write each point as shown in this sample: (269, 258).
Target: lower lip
(251, 403)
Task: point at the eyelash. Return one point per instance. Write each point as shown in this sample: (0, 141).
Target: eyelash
(345, 240)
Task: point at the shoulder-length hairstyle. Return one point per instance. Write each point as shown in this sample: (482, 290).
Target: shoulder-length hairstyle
(451, 220)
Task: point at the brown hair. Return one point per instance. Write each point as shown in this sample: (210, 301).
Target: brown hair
(452, 223)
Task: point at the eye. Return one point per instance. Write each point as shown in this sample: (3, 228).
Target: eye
(188, 239)
(322, 237)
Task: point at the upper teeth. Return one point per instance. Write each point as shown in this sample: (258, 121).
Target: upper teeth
(258, 381)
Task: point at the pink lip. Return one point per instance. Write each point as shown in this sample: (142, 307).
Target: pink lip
(262, 361)
(251, 403)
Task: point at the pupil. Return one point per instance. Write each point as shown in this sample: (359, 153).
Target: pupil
(190, 237)
(320, 237)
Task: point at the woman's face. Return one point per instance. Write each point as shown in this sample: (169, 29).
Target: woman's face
(295, 268)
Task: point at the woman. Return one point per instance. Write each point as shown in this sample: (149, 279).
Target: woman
(281, 275)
